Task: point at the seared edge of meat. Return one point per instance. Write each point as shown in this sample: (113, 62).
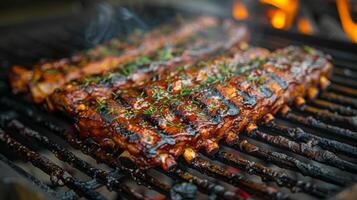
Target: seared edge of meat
(257, 88)
(145, 68)
(42, 81)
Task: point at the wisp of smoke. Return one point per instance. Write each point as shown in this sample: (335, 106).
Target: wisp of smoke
(110, 21)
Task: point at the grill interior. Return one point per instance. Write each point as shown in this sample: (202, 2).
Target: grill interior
(311, 152)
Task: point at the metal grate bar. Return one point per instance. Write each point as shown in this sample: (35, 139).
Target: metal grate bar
(235, 179)
(268, 174)
(312, 122)
(346, 81)
(301, 135)
(288, 162)
(205, 185)
(57, 174)
(343, 110)
(70, 195)
(345, 72)
(346, 121)
(337, 98)
(343, 90)
(111, 181)
(92, 149)
(322, 156)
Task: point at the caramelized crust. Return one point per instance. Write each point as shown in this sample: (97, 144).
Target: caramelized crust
(202, 104)
(46, 77)
(172, 93)
(144, 68)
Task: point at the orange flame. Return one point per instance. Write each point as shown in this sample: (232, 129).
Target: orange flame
(348, 25)
(304, 26)
(283, 16)
(239, 10)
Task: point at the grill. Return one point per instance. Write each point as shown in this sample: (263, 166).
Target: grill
(308, 152)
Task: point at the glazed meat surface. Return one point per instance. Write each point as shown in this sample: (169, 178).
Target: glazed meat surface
(175, 90)
(46, 77)
(196, 106)
(202, 45)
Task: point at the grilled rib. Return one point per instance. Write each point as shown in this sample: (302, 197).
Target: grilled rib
(45, 78)
(144, 68)
(201, 105)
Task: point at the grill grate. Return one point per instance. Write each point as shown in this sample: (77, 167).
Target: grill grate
(309, 152)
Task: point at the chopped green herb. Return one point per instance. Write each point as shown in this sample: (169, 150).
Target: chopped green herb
(185, 92)
(101, 106)
(130, 67)
(173, 124)
(110, 76)
(129, 114)
(309, 49)
(252, 77)
(115, 95)
(258, 79)
(35, 79)
(165, 53)
(210, 79)
(159, 93)
(149, 111)
(142, 60)
(52, 71)
(92, 79)
(212, 106)
(189, 107)
(113, 112)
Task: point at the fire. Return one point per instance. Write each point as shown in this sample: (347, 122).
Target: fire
(239, 10)
(278, 19)
(348, 25)
(304, 26)
(283, 16)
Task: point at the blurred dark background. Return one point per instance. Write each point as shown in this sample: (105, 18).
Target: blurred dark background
(42, 29)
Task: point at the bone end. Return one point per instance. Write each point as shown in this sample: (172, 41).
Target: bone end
(268, 118)
(251, 128)
(211, 147)
(312, 93)
(167, 161)
(324, 82)
(232, 138)
(285, 110)
(189, 154)
(299, 101)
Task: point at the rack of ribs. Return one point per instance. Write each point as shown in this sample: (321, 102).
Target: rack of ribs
(46, 77)
(195, 106)
(204, 44)
(172, 93)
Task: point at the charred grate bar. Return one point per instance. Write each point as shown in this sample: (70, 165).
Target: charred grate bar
(202, 165)
(310, 150)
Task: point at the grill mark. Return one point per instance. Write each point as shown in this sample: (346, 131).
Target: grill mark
(282, 83)
(132, 136)
(230, 108)
(247, 98)
(190, 128)
(184, 44)
(265, 91)
(166, 139)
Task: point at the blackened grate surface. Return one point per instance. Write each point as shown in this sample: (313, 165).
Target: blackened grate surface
(310, 153)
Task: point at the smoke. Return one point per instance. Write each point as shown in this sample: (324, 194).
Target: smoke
(110, 21)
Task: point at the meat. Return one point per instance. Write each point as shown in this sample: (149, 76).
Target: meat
(200, 105)
(47, 77)
(177, 92)
(143, 68)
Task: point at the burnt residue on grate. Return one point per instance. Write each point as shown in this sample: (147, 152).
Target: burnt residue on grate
(291, 139)
(310, 151)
